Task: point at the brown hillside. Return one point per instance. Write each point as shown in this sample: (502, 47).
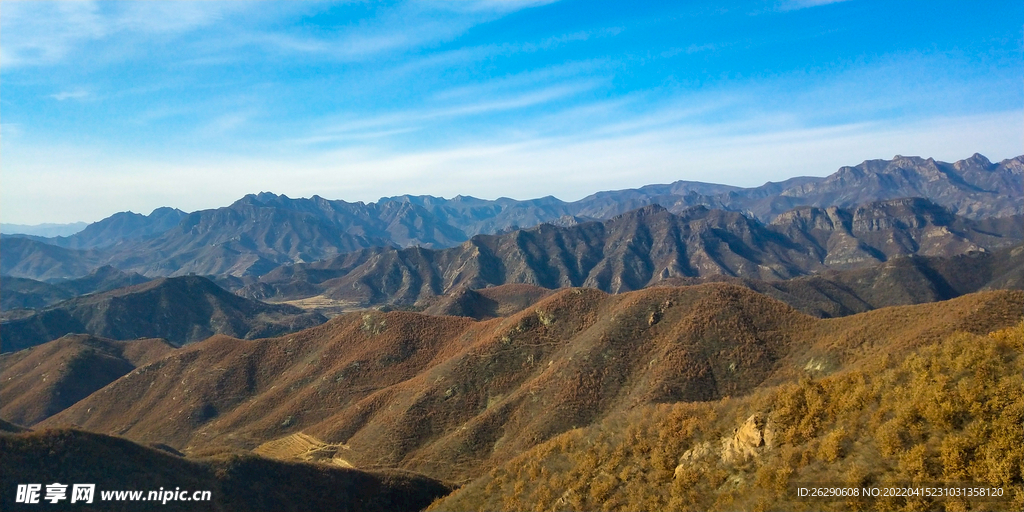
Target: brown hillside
(449, 396)
(41, 381)
(236, 483)
(949, 410)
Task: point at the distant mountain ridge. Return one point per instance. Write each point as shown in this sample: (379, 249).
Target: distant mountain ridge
(262, 231)
(120, 227)
(45, 230)
(900, 281)
(642, 247)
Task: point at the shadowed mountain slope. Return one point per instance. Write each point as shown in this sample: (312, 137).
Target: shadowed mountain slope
(235, 483)
(102, 279)
(32, 259)
(643, 247)
(21, 293)
(181, 310)
(450, 397)
(46, 379)
(898, 282)
(6, 426)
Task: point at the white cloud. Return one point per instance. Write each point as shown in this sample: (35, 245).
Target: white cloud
(76, 94)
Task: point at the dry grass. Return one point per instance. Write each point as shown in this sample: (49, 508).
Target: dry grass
(952, 410)
(328, 307)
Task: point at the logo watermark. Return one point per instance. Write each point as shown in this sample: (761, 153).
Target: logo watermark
(86, 493)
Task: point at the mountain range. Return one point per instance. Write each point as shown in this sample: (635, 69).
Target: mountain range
(642, 247)
(262, 231)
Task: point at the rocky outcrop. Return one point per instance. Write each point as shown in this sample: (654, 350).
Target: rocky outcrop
(747, 442)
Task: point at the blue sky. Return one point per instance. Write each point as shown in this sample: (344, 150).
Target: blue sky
(117, 106)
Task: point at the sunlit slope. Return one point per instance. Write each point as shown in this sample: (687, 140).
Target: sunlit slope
(949, 410)
(449, 396)
(41, 381)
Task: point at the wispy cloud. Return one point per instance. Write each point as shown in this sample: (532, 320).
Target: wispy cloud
(43, 33)
(224, 124)
(501, 6)
(792, 5)
(360, 99)
(400, 28)
(76, 94)
(413, 120)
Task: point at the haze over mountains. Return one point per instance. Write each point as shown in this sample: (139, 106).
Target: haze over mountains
(44, 230)
(331, 256)
(260, 232)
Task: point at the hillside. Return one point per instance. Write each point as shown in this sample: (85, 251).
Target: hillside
(32, 259)
(44, 380)
(22, 293)
(180, 310)
(641, 248)
(235, 483)
(504, 300)
(451, 397)
(947, 410)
